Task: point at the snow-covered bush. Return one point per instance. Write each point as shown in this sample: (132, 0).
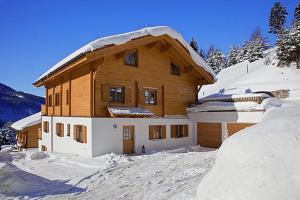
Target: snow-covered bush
(7, 136)
(260, 162)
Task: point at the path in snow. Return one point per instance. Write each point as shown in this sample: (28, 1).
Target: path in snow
(163, 175)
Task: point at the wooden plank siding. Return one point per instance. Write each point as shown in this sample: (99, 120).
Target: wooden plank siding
(233, 128)
(88, 83)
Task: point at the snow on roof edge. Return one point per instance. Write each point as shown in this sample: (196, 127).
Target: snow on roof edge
(27, 121)
(125, 37)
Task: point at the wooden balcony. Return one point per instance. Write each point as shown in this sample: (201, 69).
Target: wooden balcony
(43, 109)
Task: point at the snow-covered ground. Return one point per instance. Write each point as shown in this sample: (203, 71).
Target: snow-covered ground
(162, 175)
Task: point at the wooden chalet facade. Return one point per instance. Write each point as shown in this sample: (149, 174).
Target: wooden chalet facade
(155, 73)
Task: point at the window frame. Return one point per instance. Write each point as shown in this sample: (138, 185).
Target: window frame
(173, 64)
(158, 131)
(146, 99)
(135, 51)
(50, 100)
(79, 136)
(184, 128)
(46, 126)
(68, 130)
(57, 99)
(60, 129)
(115, 99)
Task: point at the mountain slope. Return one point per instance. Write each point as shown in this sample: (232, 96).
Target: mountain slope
(15, 105)
(262, 75)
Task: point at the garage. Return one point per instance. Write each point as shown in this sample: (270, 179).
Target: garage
(209, 134)
(233, 128)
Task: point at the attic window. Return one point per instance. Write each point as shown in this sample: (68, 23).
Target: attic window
(175, 69)
(130, 58)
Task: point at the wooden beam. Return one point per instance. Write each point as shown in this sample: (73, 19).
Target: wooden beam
(165, 46)
(70, 93)
(91, 91)
(187, 69)
(136, 84)
(151, 45)
(46, 101)
(163, 100)
(120, 55)
(61, 95)
(53, 100)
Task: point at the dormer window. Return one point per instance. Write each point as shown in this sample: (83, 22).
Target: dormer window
(130, 58)
(175, 69)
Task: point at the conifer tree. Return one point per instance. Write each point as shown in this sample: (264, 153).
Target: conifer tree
(194, 45)
(297, 14)
(202, 54)
(244, 53)
(216, 59)
(232, 57)
(277, 18)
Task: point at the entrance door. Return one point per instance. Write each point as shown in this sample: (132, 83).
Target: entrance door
(128, 139)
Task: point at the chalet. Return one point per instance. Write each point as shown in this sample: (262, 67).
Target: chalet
(122, 93)
(28, 131)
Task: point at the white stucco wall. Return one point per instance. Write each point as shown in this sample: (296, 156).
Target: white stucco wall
(107, 139)
(247, 117)
(67, 144)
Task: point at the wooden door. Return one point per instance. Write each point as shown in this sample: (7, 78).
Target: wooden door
(209, 134)
(128, 139)
(233, 128)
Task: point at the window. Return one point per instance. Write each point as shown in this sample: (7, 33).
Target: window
(80, 133)
(116, 94)
(67, 97)
(46, 126)
(60, 129)
(68, 130)
(178, 131)
(39, 133)
(130, 58)
(57, 99)
(50, 100)
(175, 70)
(157, 132)
(150, 97)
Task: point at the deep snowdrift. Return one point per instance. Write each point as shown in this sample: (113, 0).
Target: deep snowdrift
(262, 75)
(260, 162)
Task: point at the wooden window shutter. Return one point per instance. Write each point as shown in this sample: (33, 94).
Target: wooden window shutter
(185, 130)
(105, 93)
(173, 131)
(84, 137)
(74, 132)
(62, 130)
(127, 95)
(141, 96)
(151, 131)
(164, 132)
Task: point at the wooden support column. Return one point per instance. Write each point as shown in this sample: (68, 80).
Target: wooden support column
(70, 93)
(53, 100)
(163, 100)
(136, 85)
(91, 91)
(46, 101)
(60, 100)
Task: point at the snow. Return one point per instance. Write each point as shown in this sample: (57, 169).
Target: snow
(263, 75)
(129, 111)
(220, 96)
(27, 121)
(171, 174)
(259, 162)
(125, 37)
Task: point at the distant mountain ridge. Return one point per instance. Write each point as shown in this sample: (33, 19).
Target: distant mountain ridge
(16, 105)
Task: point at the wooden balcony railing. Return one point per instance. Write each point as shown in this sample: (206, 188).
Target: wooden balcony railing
(43, 109)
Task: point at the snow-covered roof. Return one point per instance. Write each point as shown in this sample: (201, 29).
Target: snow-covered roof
(125, 37)
(236, 97)
(27, 121)
(129, 111)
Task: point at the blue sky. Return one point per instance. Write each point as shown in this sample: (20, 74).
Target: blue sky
(35, 34)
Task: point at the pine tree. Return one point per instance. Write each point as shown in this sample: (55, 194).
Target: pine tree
(216, 59)
(256, 46)
(297, 14)
(202, 54)
(277, 18)
(194, 45)
(7, 136)
(244, 53)
(232, 57)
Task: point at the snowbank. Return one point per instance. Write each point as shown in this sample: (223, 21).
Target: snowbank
(260, 162)
(38, 156)
(125, 37)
